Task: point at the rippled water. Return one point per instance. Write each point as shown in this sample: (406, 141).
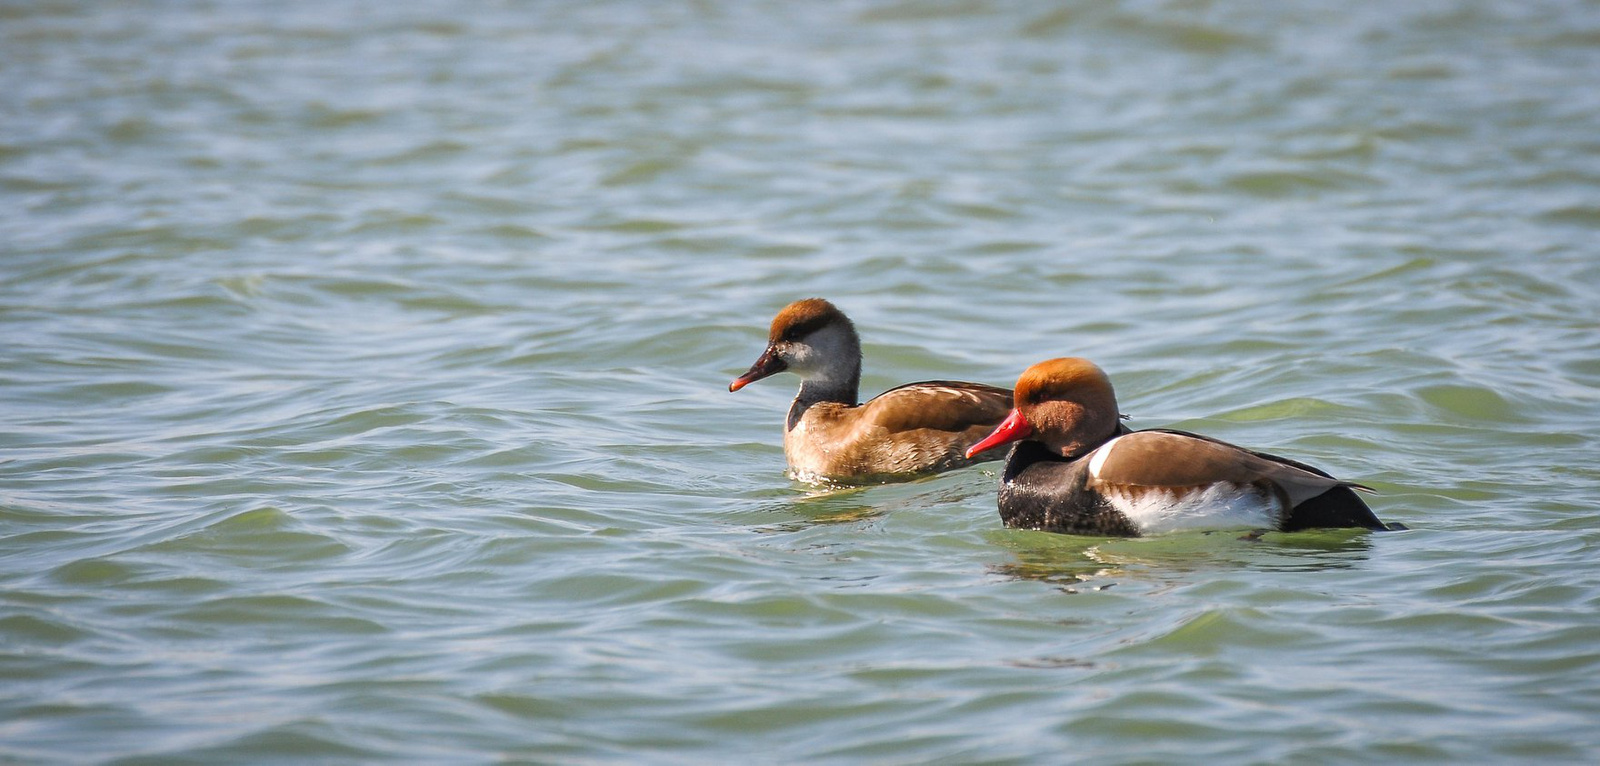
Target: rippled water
(362, 382)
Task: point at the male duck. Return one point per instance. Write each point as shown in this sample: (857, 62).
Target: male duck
(1078, 470)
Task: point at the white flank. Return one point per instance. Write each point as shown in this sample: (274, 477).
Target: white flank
(1219, 506)
(1100, 455)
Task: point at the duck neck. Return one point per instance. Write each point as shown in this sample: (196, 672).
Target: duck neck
(829, 365)
(840, 387)
(1085, 447)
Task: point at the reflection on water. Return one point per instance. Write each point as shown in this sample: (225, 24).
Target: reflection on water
(1074, 563)
(845, 503)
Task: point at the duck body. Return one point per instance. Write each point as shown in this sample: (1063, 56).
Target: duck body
(913, 429)
(907, 431)
(1078, 470)
(1044, 491)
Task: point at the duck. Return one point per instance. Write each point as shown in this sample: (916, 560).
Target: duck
(1077, 469)
(830, 437)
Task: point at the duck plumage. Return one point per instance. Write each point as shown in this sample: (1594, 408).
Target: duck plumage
(910, 430)
(1077, 469)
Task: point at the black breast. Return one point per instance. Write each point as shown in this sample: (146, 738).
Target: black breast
(1042, 490)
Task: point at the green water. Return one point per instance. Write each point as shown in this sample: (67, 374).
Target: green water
(363, 378)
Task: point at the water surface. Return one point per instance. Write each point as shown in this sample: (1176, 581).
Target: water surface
(362, 382)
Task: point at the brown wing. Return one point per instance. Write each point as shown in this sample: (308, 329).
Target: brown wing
(939, 405)
(1174, 459)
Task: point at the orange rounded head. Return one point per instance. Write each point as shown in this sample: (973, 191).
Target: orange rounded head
(1067, 404)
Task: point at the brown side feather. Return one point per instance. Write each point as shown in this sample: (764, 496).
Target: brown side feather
(940, 405)
(913, 429)
(1168, 459)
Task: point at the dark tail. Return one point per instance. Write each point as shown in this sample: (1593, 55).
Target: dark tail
(1338, 507)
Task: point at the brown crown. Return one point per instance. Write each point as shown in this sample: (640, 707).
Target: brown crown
(804, 317)
(1067, 378)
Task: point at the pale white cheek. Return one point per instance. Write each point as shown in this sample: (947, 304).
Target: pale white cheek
(800, 358)
(1219, 506)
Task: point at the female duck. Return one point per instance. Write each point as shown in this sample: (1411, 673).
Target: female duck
(913, 429)
(1078, 470)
